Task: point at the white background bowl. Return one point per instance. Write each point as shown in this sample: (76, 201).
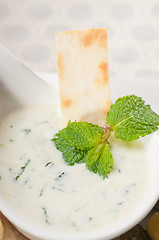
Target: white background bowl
(118, 88)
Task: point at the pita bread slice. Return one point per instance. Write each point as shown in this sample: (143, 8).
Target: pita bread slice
(10, 232)
(82, 61)
(1, 230)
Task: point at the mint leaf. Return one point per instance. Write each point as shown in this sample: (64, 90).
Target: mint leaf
(71, 154)
(99, 160)
(84, 135)
(130, 118)
(105, 161)
(92, 159)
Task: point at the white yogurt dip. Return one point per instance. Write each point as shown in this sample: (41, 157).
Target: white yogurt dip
(36, 181)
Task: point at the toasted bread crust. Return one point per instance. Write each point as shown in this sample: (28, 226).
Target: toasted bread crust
(82, 62)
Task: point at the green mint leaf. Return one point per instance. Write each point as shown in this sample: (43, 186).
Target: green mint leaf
(83, 135)
(70, 153)
(92, 159)
(99, 159)
(105, 161)
(130, 118)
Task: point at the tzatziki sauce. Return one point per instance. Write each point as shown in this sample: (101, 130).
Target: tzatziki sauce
(41, 187)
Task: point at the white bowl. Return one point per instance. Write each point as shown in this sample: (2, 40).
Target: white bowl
(152, 189)
(115, 229)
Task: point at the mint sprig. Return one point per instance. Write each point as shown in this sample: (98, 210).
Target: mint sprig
(83, 142)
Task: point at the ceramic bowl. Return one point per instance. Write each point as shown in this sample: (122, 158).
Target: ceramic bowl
(34, 86)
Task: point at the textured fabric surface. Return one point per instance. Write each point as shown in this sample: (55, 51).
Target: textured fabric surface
(27, 28)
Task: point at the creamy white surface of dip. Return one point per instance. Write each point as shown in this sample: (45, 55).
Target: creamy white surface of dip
(40, 186)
